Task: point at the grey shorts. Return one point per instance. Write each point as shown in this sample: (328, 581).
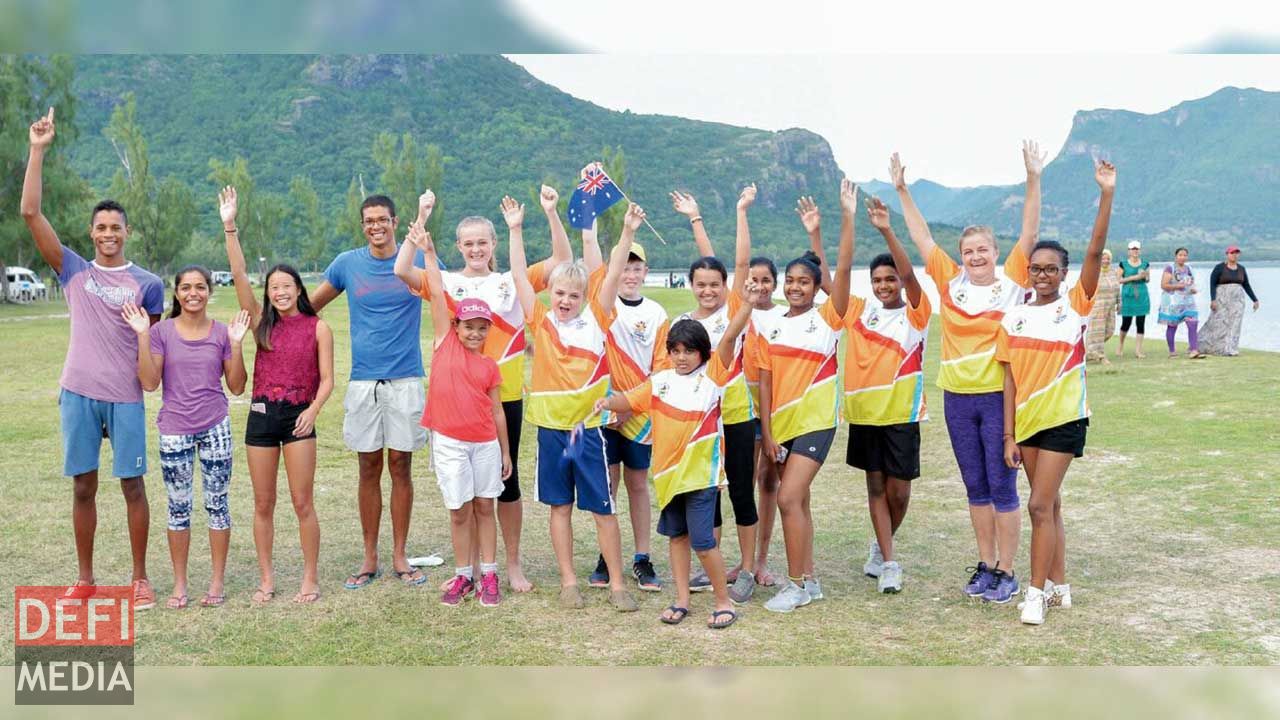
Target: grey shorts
(384, 414)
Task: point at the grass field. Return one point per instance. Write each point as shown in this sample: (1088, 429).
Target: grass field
(1173, 531)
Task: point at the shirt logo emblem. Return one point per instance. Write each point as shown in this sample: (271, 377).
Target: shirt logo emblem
(774, 333)
(873, 320)
(996, 291)
(459, 291)
(1017, 327)
(962, 295)
(110, 294)
(638, 332)
(662, 389)
(812, 326)
(720, 326)
(1062, 315)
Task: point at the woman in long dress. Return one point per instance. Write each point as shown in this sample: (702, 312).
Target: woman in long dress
(1102, 320)
(1228, 288)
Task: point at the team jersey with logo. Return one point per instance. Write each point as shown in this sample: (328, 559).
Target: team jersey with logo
(971, 317)
(637, 343)
(737, 405)
(688, 447)
(884, 362)
(1044, 346)
(761, 322)
(505, 342)
(570, 371)
(800, 354)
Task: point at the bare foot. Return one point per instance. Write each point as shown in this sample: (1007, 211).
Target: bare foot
(307, 594)
(516, 579)
(764, 577)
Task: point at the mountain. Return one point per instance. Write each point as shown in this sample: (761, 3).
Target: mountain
(939, 203)
(501, 130)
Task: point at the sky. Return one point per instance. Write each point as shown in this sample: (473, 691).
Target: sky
(957, 119)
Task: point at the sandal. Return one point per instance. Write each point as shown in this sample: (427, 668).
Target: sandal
(212, 601)
(715, 624)
(677, 615)
(307, 598)
(363, 579)
(177, 602)
(262, 597)
(406, 576)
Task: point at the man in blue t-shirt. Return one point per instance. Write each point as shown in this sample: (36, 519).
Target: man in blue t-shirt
(385, 397)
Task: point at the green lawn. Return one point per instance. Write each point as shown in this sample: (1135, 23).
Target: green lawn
(1173, 524)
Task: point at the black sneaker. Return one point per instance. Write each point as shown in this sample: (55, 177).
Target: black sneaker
(599, 578)
(645, 575)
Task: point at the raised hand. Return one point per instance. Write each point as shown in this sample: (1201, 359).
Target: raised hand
(878, 212)
(684, 204)
(426, 203)
(419, 237)
(807, 209)
(1105, 174)
(593, 165)
(752, 292)
(549, 198)
(137, 319)
(897, 172)
(512, 212)
(634, 217)
(41, 132)
(227, 205)
(747, 196)
(238, 327)
(1032, 157)
(848, 197)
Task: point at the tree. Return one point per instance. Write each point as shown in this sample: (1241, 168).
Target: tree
(406, 172)
(308, 223)
(610, 226)
(28, 87)
(347, 218)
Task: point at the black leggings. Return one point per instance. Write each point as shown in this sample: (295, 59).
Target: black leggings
(514, 412)
(1127, 319)
(740, 469)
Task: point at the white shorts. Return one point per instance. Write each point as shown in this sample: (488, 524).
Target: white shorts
(384, 414)
(466, 470)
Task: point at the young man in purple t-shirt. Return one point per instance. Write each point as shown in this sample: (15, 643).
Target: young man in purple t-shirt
(101, 395)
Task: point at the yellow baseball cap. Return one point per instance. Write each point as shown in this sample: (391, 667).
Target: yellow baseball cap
(637, 250)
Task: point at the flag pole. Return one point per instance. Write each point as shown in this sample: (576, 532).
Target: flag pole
(624, 196)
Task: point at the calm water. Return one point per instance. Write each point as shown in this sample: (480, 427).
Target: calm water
(1261, 329)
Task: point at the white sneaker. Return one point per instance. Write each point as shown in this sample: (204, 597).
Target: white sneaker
(875, 561)
(890, 578)
(790, 597)
(812, 587)
(1048, 594)
(1060, 597)
(1034, 606)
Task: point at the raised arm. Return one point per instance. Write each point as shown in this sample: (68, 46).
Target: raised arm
(513, 214)
(233, 367)
(1105, 174)
(742, 243)
(879, 216)
(1033, 160)
(839, 293)
(618, 258)
(917, 228)
(227, 207)
(811, 219)
(591, 255)
(687, 206)
(404, 269)
(41, 137)
(419, 239)
(561, 251)
(150, 365)
(728, 346)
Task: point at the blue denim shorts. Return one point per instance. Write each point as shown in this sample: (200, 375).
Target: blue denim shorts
(87, 422)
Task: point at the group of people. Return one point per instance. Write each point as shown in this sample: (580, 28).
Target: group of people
(1122, 290)
(738, 394)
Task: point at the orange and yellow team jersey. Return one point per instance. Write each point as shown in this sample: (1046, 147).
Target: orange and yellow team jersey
(1044, 346)
(761, 322)
(737, 405)
(505, 342)
(884, 362)
(800, 354)
(637, 343)
(971, 317)
(688, 445)
(570, 372)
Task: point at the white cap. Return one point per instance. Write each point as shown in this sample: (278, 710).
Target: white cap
(1135, 245)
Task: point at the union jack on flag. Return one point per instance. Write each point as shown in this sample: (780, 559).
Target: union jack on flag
(595, 194)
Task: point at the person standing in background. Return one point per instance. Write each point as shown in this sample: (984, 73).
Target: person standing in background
(1102, 319)
(1178, 303)
(1228, 286)
(1135, 300)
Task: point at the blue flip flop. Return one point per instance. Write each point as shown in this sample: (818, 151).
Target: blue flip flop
(363, 580)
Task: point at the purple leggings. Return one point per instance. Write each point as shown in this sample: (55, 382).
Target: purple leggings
(1193, 344)
(976, 426)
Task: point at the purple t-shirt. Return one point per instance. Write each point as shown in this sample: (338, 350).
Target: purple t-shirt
(192, 375)
(102, 356)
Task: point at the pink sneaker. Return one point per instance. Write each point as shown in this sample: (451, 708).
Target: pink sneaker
(79, 591)
(490, 596)
(457, 591)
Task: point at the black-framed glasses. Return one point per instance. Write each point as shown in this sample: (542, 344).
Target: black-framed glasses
(1048, 270)
(374, 222)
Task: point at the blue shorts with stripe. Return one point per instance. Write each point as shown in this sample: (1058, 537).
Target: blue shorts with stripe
(567, 466)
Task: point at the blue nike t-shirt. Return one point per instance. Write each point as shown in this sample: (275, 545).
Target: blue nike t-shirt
(385, 316)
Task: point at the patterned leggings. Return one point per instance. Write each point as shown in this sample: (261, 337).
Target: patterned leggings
(177, 461)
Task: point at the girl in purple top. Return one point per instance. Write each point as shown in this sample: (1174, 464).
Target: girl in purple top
(191, 353)
(292, 379)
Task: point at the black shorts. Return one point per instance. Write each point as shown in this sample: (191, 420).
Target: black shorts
(814, 445)
(513, 410)
(890, 449)
(271, 422)
(1065, 438)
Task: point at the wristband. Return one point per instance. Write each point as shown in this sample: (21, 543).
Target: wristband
(694, 219)
(232, 231)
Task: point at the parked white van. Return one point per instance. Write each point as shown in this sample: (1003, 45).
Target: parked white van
(24, 285)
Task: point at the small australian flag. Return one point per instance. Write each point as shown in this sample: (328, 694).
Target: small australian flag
(595, 194)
